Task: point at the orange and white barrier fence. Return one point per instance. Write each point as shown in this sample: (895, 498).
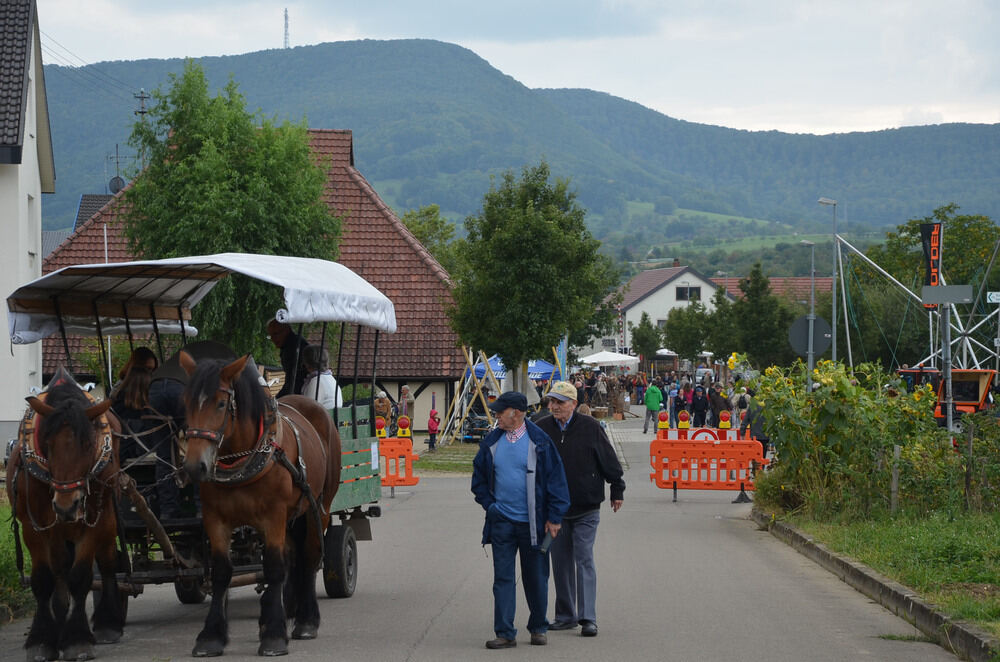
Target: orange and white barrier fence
(397, 462)
(705, 459)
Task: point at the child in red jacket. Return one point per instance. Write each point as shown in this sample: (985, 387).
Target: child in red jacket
(433, 424)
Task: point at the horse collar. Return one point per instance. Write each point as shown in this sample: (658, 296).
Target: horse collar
(247, 466)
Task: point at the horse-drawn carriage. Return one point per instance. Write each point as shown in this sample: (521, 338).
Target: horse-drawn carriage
(273, 476)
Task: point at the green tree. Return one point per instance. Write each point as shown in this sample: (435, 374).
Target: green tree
(646, 338)
(968, 244)
(435, 232)
(762, 320)
(531, 271)
(685, 329)
(220, 179)
(720, 332)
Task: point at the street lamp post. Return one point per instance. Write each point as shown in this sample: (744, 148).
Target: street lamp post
(833, 310)
(812, 312)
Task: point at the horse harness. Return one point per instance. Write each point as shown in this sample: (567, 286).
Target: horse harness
(250, 465)
(37, 465)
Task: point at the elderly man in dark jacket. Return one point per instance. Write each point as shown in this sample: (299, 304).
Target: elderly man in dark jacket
(590, 461)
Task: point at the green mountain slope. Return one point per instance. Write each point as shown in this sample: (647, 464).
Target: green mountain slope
(884, 176)
(433, 121)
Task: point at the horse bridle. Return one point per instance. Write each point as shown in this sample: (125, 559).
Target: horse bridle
(216, 437)
(37, 467)
(260, 452)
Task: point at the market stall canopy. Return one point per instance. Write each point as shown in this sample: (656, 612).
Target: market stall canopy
(543, 370)
(496, 365)
(610, 359)
(164, 291)
(537, 369)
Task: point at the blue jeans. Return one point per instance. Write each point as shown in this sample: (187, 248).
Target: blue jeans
(573, 569)
(509, 539)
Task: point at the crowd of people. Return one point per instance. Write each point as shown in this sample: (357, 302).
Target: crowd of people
(700, 394)
(704, 400)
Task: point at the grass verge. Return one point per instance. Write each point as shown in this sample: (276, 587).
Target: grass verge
(453, 458)
(14, 600)
(952, 562)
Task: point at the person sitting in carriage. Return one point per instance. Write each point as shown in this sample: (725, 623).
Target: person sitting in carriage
(166, 404)
(130, 399)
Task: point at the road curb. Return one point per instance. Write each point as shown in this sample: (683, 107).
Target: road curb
(963, 639)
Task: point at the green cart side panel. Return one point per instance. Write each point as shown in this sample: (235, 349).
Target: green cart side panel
(359, 484)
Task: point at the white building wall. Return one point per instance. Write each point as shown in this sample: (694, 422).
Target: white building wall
(20, 253)
(659, 303)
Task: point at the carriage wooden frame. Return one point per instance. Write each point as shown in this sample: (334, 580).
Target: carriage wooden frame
(156, 297)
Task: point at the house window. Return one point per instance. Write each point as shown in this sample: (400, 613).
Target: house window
(688, 293)
(661, 323)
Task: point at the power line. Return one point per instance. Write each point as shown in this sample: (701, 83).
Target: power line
(85, 78)
(84, 63)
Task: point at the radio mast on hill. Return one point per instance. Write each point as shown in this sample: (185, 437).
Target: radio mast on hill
(286, 27)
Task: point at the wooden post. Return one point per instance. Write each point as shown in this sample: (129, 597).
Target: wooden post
(894, 484)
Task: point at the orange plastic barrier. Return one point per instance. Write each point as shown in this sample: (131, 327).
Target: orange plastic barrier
(397, 462)
(705, 459)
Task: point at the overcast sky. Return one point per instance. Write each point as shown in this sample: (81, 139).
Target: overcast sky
(800, 66)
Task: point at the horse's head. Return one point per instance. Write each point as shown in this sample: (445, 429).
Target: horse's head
(223, 403)
(68, 427)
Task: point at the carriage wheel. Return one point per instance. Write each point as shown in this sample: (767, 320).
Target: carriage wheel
(190, 590)
(340, 562)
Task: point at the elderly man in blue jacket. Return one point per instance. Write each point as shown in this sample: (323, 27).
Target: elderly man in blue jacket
(518, 479)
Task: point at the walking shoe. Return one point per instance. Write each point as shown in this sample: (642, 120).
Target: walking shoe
(589, 629)
(500, 642)
(539, 639)
(562, 625)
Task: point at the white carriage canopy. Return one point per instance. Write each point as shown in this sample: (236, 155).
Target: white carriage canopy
(165, 291)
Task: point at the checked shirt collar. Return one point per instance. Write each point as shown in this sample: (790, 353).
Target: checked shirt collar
(514, 435)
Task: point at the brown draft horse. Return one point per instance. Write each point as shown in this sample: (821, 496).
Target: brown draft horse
(272, 466)
(62, 485)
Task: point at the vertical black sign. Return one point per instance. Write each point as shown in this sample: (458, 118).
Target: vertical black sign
(930, 237)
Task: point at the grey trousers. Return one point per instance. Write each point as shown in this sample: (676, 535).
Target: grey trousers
(650, 416)
(573, 570)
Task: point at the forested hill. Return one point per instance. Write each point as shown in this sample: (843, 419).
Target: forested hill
(432, 121)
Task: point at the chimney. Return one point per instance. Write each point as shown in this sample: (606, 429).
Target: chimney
(677, 262)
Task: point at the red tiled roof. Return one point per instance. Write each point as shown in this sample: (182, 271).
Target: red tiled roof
(793, 288)
(647, 282)
(374, 244)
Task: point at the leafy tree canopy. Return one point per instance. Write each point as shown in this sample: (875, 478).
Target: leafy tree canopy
(219, 179)
(685, 329)
(762, 320)
(968, 243)
(646, 338)
(435, 232)
(531, 271)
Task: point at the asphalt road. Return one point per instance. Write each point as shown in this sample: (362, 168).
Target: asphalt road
(689, 581)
